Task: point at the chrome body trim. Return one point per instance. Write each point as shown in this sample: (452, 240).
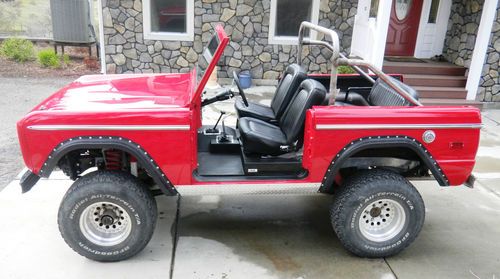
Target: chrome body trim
(396, 126)
(249, 189)
(109, 127)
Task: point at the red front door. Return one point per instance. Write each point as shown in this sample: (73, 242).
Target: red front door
(403, 27)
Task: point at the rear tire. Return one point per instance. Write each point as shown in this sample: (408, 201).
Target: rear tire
(377, 213)
(107, 216)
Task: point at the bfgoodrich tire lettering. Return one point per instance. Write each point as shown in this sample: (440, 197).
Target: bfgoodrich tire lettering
(377, 213)
(129, 203)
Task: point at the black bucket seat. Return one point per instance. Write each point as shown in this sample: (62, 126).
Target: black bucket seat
(293, 76)
(260, 137)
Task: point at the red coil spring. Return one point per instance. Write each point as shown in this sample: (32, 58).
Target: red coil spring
(113, 159)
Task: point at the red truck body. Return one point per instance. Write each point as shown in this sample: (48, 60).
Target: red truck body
(165, 109)
(172, 137)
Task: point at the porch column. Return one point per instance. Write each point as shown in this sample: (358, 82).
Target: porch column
(480, 47)
(370, 34)
(381, 28)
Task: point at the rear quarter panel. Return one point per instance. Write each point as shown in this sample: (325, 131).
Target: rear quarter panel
(320, 146)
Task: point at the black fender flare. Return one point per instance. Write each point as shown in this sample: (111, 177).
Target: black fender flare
(120, 143)
(379, 142)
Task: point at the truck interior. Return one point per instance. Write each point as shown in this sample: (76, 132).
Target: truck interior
(267, 140)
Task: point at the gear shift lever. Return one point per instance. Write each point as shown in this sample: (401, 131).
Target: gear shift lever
(214, 129)
(225, 140)
(223, 137)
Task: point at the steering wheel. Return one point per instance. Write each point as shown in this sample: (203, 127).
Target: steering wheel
(242, 94)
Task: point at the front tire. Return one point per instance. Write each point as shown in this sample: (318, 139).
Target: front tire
(107, 216)
(377, 213)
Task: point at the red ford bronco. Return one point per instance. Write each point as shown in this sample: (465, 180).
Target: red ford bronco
(360, 138)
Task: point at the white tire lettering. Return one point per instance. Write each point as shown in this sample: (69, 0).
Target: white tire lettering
(75, 208)
(109, 253)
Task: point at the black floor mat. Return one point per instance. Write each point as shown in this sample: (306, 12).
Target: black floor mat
(210, 164)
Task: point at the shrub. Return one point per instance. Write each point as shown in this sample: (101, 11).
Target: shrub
(48, 58)
(17, 49)
(345, 70)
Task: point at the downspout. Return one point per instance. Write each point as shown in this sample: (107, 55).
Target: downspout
(480, 48)
(101, 38)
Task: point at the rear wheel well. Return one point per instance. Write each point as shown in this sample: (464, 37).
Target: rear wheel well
(399, 159)
(400, 154)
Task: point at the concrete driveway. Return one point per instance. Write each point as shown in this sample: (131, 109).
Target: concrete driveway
(255, 237)
(18, 97)
(265, 236)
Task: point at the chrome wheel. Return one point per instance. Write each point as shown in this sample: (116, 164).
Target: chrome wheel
(382, 220)
(105, 224)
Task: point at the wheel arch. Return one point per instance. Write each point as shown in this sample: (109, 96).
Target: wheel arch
(378, 142)
(112, 142)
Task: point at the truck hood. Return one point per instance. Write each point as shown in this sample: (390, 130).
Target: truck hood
(122, 92)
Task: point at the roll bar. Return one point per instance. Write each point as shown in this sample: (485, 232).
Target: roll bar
(338, 59)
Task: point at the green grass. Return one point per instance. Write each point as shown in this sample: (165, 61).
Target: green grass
(26, 18)
(29, 18)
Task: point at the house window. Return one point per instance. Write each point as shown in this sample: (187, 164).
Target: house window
(286, 16)
(168, 19)
(433, 12)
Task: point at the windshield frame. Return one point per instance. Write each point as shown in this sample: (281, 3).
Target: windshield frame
(223, 40)
(207, 54)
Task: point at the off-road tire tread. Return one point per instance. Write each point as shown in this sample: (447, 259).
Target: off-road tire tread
(350, 187)
(121, 179)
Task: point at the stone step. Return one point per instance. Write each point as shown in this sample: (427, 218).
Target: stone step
(450, 102)
(427, 68)
(441, 92)
(435, 80)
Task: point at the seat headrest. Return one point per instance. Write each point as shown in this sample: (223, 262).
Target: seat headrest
(294, 68)
(311, 85)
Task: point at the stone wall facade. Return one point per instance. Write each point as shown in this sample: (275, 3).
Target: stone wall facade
(245, 21)
(489, 85)
(462, 29)
(460, 40)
